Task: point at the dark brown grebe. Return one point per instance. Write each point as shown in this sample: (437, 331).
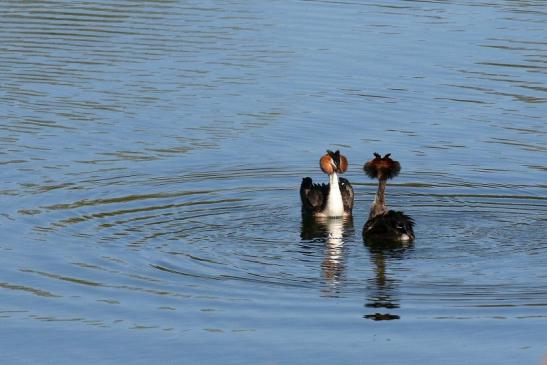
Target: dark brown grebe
(334, 199)
(384, 224)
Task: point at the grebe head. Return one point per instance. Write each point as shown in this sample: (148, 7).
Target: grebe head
(333, 162)
(382, 167)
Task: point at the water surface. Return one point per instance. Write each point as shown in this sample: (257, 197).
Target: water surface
(151, 156)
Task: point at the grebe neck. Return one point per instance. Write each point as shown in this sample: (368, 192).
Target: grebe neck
(335, 205)
(379, 205)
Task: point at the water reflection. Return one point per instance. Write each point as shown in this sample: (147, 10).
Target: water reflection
(332, 232)
(382, 289)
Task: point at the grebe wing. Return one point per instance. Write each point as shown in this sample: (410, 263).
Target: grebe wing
(313, 196)
(404, 223)
(347, 194)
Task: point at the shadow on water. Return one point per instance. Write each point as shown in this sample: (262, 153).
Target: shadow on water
(332, 233)
(382, 289)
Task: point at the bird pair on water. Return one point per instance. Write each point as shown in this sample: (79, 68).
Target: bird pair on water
(335, 199)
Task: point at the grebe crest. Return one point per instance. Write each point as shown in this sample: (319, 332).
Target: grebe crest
(334, 199)
(333, 162)
(382, 167)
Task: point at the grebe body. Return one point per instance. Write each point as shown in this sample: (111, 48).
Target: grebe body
(390, 226)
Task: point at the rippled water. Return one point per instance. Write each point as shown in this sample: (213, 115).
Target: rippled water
(151, 157)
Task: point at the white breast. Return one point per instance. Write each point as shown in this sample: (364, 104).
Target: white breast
(335, 205)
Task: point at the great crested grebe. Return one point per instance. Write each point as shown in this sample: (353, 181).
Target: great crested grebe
(334, 199)
(384, 224)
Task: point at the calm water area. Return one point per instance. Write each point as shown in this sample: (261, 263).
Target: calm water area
(151, 155)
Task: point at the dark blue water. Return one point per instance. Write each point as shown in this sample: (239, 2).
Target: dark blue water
(152, 152)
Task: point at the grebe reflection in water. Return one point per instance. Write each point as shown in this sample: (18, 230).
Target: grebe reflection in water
(334, 199)
(331, 233)
(384, 224)
(383, 288)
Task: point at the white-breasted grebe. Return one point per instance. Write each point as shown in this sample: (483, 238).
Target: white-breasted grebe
(384, 224)
(334, 199)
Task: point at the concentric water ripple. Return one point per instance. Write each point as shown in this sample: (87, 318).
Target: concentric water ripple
(254, 233)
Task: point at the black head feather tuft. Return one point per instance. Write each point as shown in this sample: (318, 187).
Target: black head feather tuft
(335, 157)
